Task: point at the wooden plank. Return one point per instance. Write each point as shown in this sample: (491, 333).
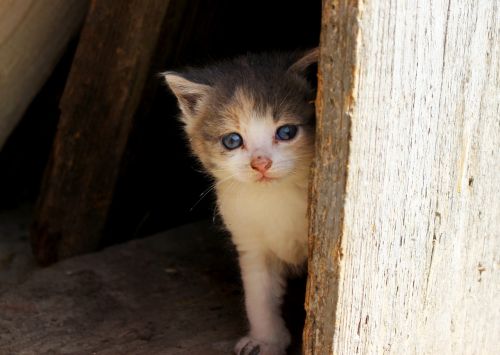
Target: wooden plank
(411, 263)
(110, 74)
(188, 27)
(333, 110)
(33, 36)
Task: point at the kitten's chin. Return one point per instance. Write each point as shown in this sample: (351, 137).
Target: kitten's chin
(253, 179)
(266, 179)
(270, 179)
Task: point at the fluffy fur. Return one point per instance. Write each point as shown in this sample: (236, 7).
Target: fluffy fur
(265, 212)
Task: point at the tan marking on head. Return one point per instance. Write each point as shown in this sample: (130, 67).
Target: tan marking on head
(240, 110)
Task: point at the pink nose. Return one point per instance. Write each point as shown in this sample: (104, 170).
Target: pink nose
(261, 164)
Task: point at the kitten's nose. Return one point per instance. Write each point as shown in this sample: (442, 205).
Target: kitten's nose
(261, 164)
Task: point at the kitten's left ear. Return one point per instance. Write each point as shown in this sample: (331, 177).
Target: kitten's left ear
(305, 61)
(189, 93)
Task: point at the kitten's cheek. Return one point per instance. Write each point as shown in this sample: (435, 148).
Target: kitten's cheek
(246, 175)
(217, 175)
(220, 173)
(249, 176)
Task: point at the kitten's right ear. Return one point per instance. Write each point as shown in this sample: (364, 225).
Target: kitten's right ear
(189, 94)
(305, 61)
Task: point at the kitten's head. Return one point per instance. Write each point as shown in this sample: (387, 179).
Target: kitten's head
(250, 119)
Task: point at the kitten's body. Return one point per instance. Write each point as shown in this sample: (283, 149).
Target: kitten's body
(250, 123)
(272, 220)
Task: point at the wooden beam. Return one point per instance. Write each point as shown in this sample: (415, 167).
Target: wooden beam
(405, 218)
(110, 74)
(333, 109)
(33, 34)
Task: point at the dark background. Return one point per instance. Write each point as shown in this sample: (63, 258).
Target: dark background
(159, 186)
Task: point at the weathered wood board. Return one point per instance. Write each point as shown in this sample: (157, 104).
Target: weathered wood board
(405, 216)
(33, 36)
(111, 72)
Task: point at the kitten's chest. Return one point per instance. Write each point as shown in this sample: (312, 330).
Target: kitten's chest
(274, 218)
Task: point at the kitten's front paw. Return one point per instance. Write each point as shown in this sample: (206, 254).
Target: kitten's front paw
(250, 346)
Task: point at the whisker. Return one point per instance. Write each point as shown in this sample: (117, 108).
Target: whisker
(202, 196)
(210, 188)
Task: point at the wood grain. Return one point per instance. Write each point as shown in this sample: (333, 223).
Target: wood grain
(33, 36)
(405, 259)
(112, 71)
(334, 105)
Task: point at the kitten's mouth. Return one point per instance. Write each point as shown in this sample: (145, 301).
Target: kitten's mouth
(264, 178)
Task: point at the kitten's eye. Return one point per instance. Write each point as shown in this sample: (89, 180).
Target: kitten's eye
(232, 141)
(286, 132)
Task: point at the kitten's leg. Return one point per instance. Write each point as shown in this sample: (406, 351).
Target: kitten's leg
(264, 284)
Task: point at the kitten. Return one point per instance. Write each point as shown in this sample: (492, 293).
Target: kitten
(250, 121)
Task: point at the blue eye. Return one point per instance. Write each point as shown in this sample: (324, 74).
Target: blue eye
(286, 132)
(232, 141)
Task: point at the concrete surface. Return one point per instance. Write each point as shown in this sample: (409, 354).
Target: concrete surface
(175, 293)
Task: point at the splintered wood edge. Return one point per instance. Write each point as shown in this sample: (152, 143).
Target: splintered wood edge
(334, 102)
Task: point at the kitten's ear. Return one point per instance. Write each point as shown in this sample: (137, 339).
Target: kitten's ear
(305, 61)
(189, 94)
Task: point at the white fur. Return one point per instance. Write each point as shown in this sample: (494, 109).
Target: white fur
(268, 223)
(269, 227)
(267, 217)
